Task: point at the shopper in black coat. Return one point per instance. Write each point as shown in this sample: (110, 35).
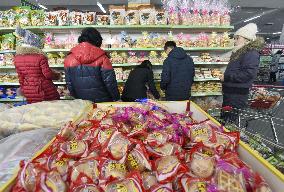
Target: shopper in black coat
(177, 74)
(242, 69)
(139, 78)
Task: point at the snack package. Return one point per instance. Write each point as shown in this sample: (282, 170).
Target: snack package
(51, 18)
(59, 165)
(86, 167)
(157, 138)
(53, 182)
(10, 18)
(132, 16)
(8, 42)
(191, 184)
(202, 165)
(225, 18)
(89, 18)
(132, 183)
(86, 187)
(227, 178)
(74, 149)
(165, 150)
(102, 19)
(117, 146)
(2, 18)
(117, 15)
(76, 18)
(202, 132)
(168, 187)
(160, 17)
(147, 15)
(111, 169)
(149, 179)
(63, 17)
(138, 160)
(167, 167)
(23, 16)
(37, 17)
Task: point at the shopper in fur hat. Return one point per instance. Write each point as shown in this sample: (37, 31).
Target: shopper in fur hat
(34, 74)
(242, 68)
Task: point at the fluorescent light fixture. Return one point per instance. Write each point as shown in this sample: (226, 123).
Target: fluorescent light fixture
(277, 33)
(101, 7)
(42, 6)
(252, 18)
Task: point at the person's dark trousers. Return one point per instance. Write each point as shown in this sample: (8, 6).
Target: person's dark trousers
(272, 77)
(125, 99)
(237, 102)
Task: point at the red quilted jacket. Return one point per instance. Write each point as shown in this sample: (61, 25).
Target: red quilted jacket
(35, 77)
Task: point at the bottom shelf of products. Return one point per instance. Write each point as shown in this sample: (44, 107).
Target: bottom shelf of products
(147, 146)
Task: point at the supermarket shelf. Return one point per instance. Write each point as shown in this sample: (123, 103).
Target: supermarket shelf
(206, 79)
(138, 49)
(17, 83)
(211, 63)
(7, 67)
(120, 27)
(200, 94)
(17, 99)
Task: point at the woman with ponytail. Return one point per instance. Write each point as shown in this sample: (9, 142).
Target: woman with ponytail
(89, 72)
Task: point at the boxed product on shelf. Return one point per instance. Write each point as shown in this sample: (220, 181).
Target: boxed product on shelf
(8, 42)
(132, 16)
(37, 17)
(147, 14)
(117, 15)
(180, 162)
(6, 59)
(102, 19)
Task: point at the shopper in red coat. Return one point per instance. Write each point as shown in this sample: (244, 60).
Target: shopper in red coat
(34, 74)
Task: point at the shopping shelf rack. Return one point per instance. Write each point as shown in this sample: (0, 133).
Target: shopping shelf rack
(260, 110)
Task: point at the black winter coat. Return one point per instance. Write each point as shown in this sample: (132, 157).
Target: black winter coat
(242, 68)
(89, 74)
(135, 86)
(177, 75)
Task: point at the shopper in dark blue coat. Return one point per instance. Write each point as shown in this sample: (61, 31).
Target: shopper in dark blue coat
(178, 73)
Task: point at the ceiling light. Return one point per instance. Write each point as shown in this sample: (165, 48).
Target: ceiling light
(101, 7)
(42, 6)
(277, 33)
(252, 18)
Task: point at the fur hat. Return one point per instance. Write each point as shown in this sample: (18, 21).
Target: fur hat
(27, 38)
(249, 31)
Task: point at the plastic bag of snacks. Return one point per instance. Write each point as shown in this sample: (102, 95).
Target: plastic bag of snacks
(147, 15)
(76, 18)
(89, 18)
(2, 18)
(160, 17)
(8, 42)
(23, 16)
(63, 17)
(37, 18)
(132, 16)
(51, 18)
(117, 15)
(102, 19)
(10, 18)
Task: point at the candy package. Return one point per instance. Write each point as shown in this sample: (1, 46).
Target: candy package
(23, 16)
(160, 17)
(76, 18)
(37, 17)
(117, 15)
(89, 18)
(51, 18)
(147, 15)
(8, 42)
(63, 17)
(10, 18)
(102, 19)
(2, 18)
(132, 16)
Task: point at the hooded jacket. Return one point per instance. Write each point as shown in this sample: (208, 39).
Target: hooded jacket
(242, 68)
(35, 76)
(177, 75)
(89, 74)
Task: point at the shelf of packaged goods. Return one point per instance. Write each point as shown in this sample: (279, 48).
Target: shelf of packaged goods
(211, 63)
(17, 99)
(201, 94)
(122, 27)
(137, 49)
(13, 67)
(206, 79)
(132, 64)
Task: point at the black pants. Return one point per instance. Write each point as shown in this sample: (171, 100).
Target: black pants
(126, 99)
(236, 101)
(272, 77)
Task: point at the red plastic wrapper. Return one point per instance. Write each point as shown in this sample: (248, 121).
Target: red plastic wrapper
(117, 146)
(75, 149)
(202, 132)
(138, 130)
(99, 114)
(104, 134)
(111, 169)
(164, 150)
(86, 188)
(229, 140)
(168, 167)
(157, 138)
(132, 183)
(191, 184)
(162, 188)
(149, 179)
(138, 159)
(67, 132)
(52, 182)
(59, 165)
(88, 168)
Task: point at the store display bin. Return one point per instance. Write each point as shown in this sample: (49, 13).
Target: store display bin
(274, 178)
